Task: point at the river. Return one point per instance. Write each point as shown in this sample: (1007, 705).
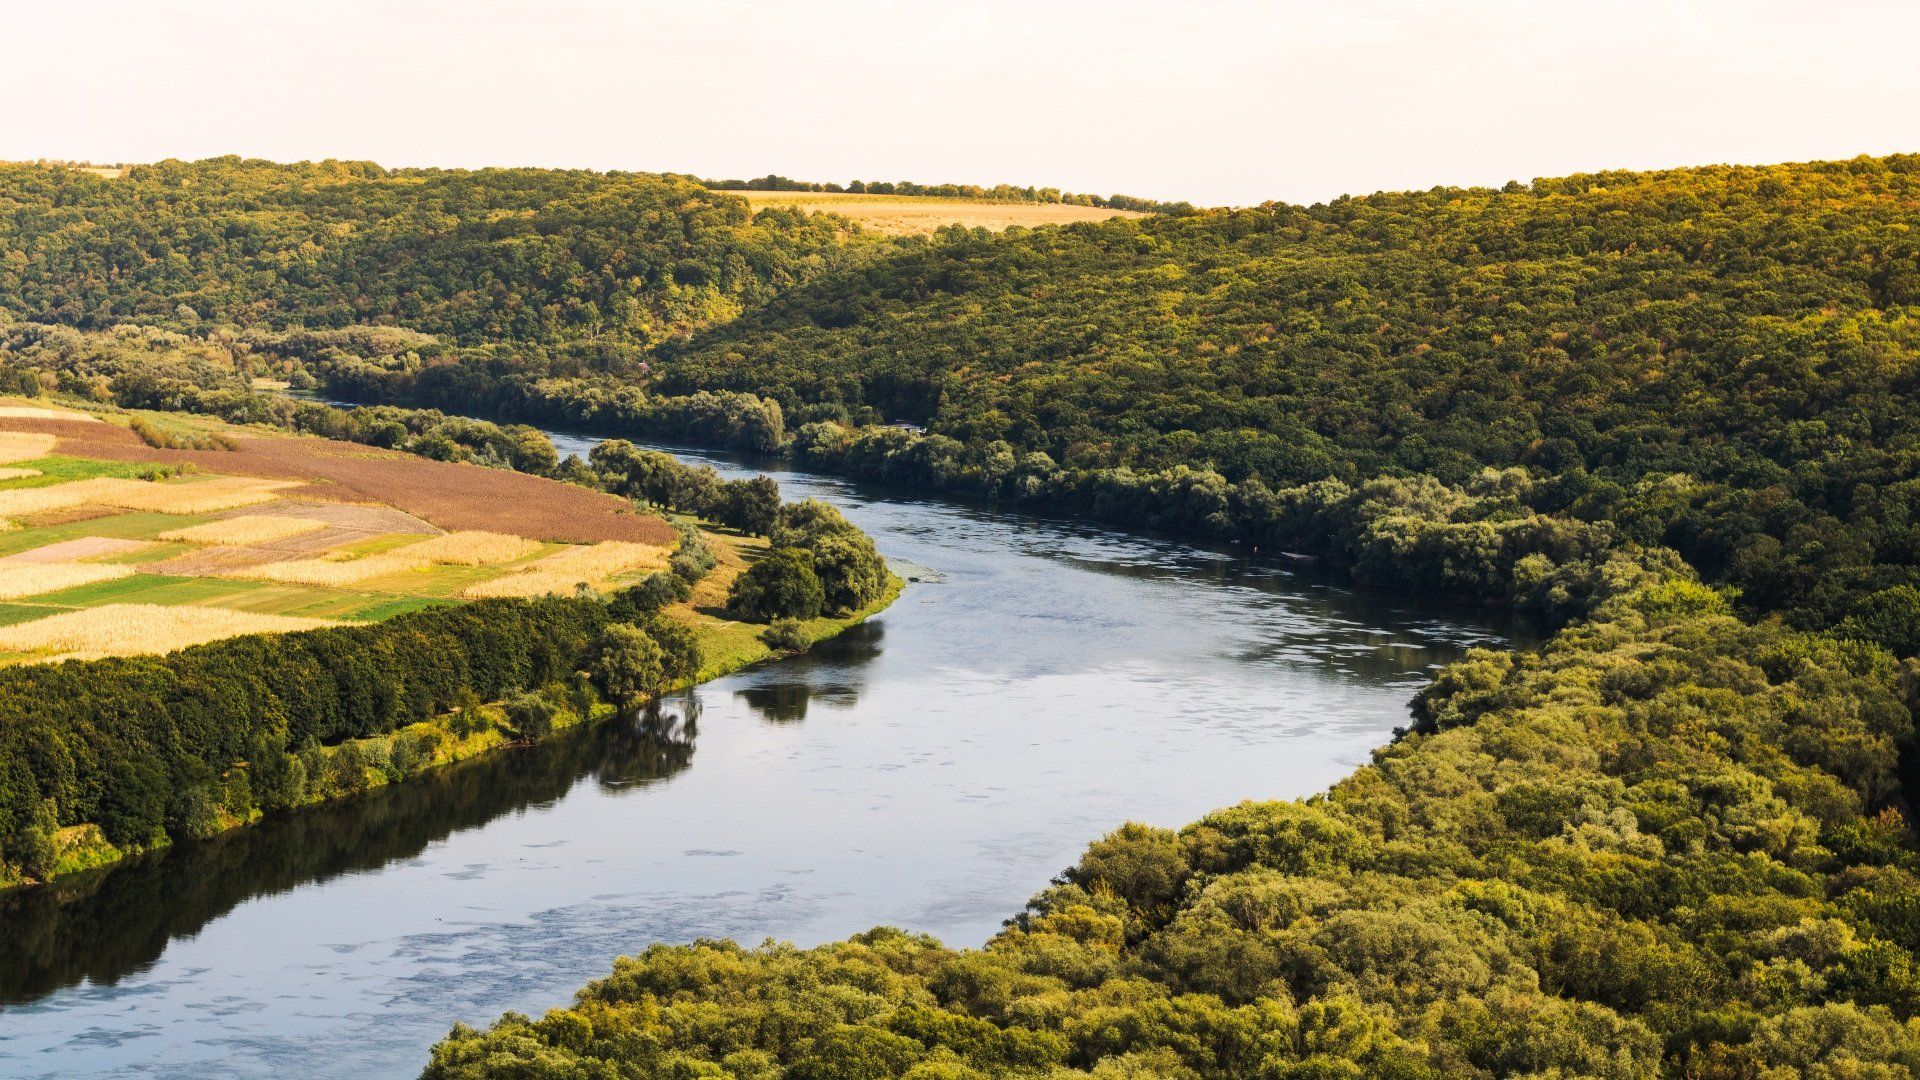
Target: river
(1044, 682)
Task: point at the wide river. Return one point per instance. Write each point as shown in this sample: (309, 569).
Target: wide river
(1043, 683)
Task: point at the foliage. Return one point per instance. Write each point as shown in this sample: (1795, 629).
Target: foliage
(528, 254)
(1661, 846)
(787, 635)
(781, 585)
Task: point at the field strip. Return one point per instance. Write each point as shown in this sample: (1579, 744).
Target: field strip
(567, 570)
(34, 579)
(245, 530)
(472, 548)
(129, 629)
(219, 493)
(25, 445)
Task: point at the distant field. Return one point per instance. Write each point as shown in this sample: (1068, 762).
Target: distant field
(907, 215)
(282, 533)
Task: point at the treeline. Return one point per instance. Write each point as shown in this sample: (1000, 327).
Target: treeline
(495, 254)
(183, 745)
(1666, 845)
(137, 367)
(1718, 360)
(819, 562)
(995, 193)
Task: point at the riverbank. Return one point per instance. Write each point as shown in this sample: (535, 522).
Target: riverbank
(363, 765)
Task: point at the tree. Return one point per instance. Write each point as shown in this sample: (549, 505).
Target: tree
(628, 666)
(782, 585)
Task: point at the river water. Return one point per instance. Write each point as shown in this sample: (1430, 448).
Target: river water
(932, 769)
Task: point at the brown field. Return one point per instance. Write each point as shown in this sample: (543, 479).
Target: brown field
(127, 629)
(245, 530)
(451, 496)
(909, 215)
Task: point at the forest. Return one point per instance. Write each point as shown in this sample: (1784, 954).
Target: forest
(1671, 410)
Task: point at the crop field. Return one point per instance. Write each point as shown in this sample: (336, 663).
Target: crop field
(910, 215)
(112, 547)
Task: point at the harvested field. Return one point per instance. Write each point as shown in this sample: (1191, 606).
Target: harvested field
(450, 495)
(910, 215)
(475, 548)
(245, 530)
(34, 579)
(219, 493)
(126, 629)
(25, 445)
(453, 549)
(8, 472)
(35, 412)
(567, 570)
(84, 547)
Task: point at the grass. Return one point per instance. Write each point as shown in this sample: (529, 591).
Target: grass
(60, 470)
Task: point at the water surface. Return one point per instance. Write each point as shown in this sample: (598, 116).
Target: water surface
(930, 769)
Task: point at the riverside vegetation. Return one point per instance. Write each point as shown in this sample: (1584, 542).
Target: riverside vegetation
(1672, 410)
(100, 758)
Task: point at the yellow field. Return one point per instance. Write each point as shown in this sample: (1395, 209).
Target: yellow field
(566, 571)
(219, 493)
(453, 549)
(472, 548)
(910, 215)
(129, 629)
(24, 445)
(32, 579)
(36, 412)
(244, 530)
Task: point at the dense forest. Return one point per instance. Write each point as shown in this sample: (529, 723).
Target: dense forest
(1673, 410)
(523, 254)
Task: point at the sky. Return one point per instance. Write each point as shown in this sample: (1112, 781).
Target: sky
(1219, 103)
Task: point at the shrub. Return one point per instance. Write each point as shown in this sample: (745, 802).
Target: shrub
(787, 635)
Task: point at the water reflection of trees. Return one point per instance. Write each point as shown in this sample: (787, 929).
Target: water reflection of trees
(105, 926)
(832, 674)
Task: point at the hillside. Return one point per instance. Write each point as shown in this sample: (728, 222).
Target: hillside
(500, 254)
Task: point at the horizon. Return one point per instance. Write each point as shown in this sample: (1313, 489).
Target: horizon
(1037, 184)
(1224, 104)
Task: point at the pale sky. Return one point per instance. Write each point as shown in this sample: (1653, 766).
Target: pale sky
(1218, 102)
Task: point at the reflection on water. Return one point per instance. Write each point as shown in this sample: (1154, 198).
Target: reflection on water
(110, 924)
(930, 769)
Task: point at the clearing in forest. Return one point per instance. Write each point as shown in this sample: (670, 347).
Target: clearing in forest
(911, 215)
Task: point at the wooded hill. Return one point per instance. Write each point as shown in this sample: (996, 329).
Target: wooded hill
(1667, 408)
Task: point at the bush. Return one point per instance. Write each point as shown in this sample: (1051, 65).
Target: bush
(531, 715)
(787, 635)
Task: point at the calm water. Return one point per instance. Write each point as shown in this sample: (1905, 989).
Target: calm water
(930, 770)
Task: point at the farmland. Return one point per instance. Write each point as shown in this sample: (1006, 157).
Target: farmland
(114, 547)
(920, 215)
